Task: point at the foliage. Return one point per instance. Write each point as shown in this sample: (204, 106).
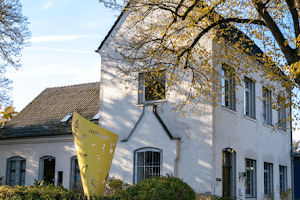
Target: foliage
(40, 190)
(296, 146)
(7, 114)
(174, 35)
(286, 195)
(14, 36)
(1, 178)
(157, 188)
(210, 197)
(114, 185)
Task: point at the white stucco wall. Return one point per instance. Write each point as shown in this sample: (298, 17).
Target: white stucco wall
(203, 137)
(119, 112)
(33, 148)
(251, 139)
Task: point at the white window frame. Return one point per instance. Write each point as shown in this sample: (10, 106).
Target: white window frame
(268, 179)
(250, 171)
(75, 172)
(228, 87)
(282, 179)
(281, 117)
(249, 98)
(267, 106)
(41, 167)
(142, 87)
(136, 165)
(16, 175)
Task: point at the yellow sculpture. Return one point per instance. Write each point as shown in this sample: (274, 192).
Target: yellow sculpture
(95, 147)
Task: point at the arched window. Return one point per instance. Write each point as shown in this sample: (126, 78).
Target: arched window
(147, 163)
(75, 174)
(15, 171)
(47, 169)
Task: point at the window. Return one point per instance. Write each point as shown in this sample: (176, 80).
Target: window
(250, 179)
(249, 98)
(75, 174)
(147, 163)
(228, 87)
(281, 115)
(268, 179)
(152, 86)
(282, 179)
(15, 171)
(267, 106)
(67, 117)
(47, 169)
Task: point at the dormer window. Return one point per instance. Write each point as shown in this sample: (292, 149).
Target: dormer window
(152, 86)
(67, 117)
(96, 116)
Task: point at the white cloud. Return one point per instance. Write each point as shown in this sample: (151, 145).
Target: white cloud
(68, 50)
(51, 69)
(60, 38)
(48, 5)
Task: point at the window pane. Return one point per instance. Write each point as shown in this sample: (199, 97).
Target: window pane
(148, 164)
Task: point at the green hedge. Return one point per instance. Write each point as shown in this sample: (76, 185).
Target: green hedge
(157, 188)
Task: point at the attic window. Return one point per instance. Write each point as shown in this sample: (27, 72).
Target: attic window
(67, 117)
(96, 116)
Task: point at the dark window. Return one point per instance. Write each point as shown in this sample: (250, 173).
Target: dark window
(152, 86)
(228, 87)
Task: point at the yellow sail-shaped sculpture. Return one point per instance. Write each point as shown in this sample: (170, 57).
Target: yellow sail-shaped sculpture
(95, 147)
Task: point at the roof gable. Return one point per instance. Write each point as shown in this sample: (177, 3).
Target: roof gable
(43, 115)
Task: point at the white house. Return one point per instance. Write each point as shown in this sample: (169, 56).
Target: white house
(229, 150)
(38, 144)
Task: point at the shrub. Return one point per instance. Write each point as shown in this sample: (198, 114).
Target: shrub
(40, 190)
(157, 188)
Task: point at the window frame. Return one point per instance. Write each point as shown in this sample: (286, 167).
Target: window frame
(75, 171)
(143, 150)
(228, 87)
(42, 165)
(282, 179)
(281, 117)
(20, 173)
(142, 86)
(253, 189)
(267, 106)
(268, 179)
(250, 100)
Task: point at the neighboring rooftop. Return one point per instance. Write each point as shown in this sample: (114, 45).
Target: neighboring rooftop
(43, 115)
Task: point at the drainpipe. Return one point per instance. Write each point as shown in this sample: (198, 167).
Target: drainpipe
(292, 153)
(177, 158)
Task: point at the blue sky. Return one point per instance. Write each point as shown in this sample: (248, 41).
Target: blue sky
(65, 35)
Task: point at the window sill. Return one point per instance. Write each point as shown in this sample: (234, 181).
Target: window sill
(268, 126)
(249, 118)
(229, 110)
(282, 131)
(160, 101)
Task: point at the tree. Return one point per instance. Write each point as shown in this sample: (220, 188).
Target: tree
(14, 36)
(169, 34)
(296, 145)
(7, 114)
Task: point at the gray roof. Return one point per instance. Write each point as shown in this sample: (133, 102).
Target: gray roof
(44, 114)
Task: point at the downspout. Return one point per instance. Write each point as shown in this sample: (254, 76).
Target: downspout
(177, 158)
(292, 153)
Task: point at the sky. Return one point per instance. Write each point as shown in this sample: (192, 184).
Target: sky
(64, 37)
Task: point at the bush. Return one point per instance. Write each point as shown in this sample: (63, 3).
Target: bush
(157, 188)
(41, 191)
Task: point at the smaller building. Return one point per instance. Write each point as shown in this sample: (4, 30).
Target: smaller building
(38, 144)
